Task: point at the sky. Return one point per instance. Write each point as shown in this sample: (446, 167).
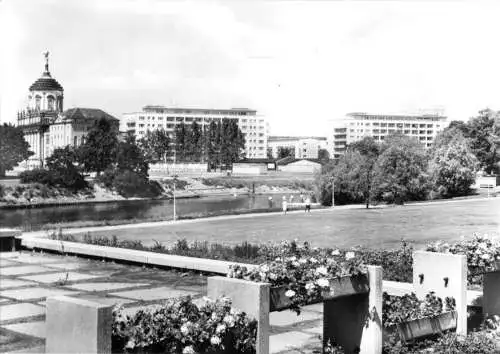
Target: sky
(300, 64)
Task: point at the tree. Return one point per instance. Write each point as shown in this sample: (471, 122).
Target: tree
(286, 151)
(99, 150)
(369, 150)
(129, 156)
(453, 165)
(400, 171)
(180, 142)
(63, 170)
(155, 145)
(212, 146)
(195, 142)
(270, 153)
(484, 134)
(323, 155)
(13, 147)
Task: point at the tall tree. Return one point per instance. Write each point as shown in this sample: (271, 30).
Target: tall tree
(129, 156)
(13, 148)
(99, 150)
(196, 141)
(484, 135)
(211, 145)
(286, 151)
(64, 170)
(453, 165)
(400, 172)
(323, 155)
(180, 142)
(155, 145)
(369, 150)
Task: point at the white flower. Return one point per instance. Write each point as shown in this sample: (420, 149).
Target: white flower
(485, 256)
(220, 328)
(322, 270)
(290, 293)
(302, 261)
(264, 268)
(324, 283)
(313, 260)
(295, 264)
(184, 329)
(229, 320)
(215, 340)
(349, 255)
(335, 253)
(273, 276)
(293, 258)
(262, 275)
(310, 286)
(188, 350)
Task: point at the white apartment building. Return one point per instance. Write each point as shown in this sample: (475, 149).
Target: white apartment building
(254, 127)
(356, 126)
(304, 147)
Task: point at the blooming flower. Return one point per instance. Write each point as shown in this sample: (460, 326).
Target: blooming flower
(313, 260)
(324, 283)
(485, 256)
(264, 268)
(322, 270)
(188, 350)
(349, 255)
(184, 329)
(229, 320)
(220, 328)
(310, 286)
(335, 253)
(215, 340)
(302, 261)
(290, 293)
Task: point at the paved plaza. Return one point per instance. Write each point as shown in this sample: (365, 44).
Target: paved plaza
(27, 279)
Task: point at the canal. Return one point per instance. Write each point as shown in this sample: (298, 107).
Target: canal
(35, 218)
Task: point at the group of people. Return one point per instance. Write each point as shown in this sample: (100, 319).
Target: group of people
(303, 199)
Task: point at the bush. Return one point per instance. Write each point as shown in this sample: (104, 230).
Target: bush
(130, 184)
(180, 326)
(37, 175)
(70, 179)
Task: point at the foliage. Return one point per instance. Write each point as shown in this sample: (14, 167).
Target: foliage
(323, 155)
(155, 145)
(453, 165)
(305, 277)
(99, 150)
(180, 326)
(482, 254)
(399, 309)
(286, 151)
(37, 175)
(400, 171)
(13, 147)
(61, 165)
(129, 156)
(130, 184)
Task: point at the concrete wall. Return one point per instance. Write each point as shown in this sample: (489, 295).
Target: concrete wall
(303, 166)
(249, 168)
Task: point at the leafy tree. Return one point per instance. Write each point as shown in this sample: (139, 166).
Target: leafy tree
(195, 141)
(286, 151)
(155, 145)
(129, 156)
(99, 150)
(484, 134)
(453, 165)
(13, 148)
(323, 155)
(63, 170)
(369, 150)
(180, 141)
(212, 146)
(270, 153)
(400, 171)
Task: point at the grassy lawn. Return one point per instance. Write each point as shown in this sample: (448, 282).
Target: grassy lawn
(343, 228)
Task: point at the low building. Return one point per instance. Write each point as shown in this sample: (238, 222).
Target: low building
(254, 166)
(303, 147)
(299, 166)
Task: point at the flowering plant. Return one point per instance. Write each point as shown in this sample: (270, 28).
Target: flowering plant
(482, 254)
(304, 272)
(180, 326)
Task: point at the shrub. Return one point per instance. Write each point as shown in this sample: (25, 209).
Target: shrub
(180, 326)
(130, 184)
(2, 191)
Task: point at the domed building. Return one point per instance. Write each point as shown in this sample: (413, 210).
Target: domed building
(46, 126)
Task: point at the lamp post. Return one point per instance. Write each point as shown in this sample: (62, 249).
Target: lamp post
(333, 192)
(175, 180)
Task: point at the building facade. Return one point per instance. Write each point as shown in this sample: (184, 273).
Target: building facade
(46, 126)
(254, 127)
(356, 126)
(303, 147)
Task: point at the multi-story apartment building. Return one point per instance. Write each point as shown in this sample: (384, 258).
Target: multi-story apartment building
(304, 147)
(254, 127)
(355, 126)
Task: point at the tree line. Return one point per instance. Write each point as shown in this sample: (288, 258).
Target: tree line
(399, 169)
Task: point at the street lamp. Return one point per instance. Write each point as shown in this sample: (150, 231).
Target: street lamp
(175, 180)
(333, 191)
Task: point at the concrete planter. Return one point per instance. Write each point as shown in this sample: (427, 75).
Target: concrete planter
(339, 287)
(423, 327)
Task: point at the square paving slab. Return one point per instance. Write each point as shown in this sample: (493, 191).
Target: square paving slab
(68, 266)
(105, 300)
(6, 262)
(105, 286)
(12, 283)
(10, 312)
(34, 293)
(153, 294)
(24, 270)
(32, 258)
(35, 329)
(54, 277)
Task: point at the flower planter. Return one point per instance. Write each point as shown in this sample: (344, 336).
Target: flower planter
(423, 327)
(339, 287)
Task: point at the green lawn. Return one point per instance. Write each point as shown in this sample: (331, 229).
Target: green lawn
(343, 228)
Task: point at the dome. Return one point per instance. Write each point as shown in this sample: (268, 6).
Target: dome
(46, 84)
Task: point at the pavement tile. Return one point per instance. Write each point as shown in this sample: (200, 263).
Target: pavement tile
(287, 318)
(35, 329)
(32, 258)
(153, 294)
(314, 308)
(289, 341)
(34, 293)
(54, 277)
(29, 269)
(6, 263)
(314, 330)
(10, 312)
(67, 266)
(105, 286)
(13, 283)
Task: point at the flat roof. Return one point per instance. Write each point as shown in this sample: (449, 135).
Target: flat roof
(156, 108)
(284, 138)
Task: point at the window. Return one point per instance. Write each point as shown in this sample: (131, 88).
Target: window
(75, 141)
(38, 101)
(50, 103)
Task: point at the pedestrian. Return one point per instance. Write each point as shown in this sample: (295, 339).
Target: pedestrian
(270, 202)
(308, 204)
(302, 198)
(291, 198)
(284, 205)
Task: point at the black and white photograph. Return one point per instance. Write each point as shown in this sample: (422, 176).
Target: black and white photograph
(250, 177)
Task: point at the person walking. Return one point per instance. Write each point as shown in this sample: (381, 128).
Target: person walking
(308, 204)
(284, 205)
(270, 202)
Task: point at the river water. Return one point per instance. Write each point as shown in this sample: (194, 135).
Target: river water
(35, 218)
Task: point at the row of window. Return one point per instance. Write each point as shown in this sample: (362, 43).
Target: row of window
(392, 125)
(195, 119)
